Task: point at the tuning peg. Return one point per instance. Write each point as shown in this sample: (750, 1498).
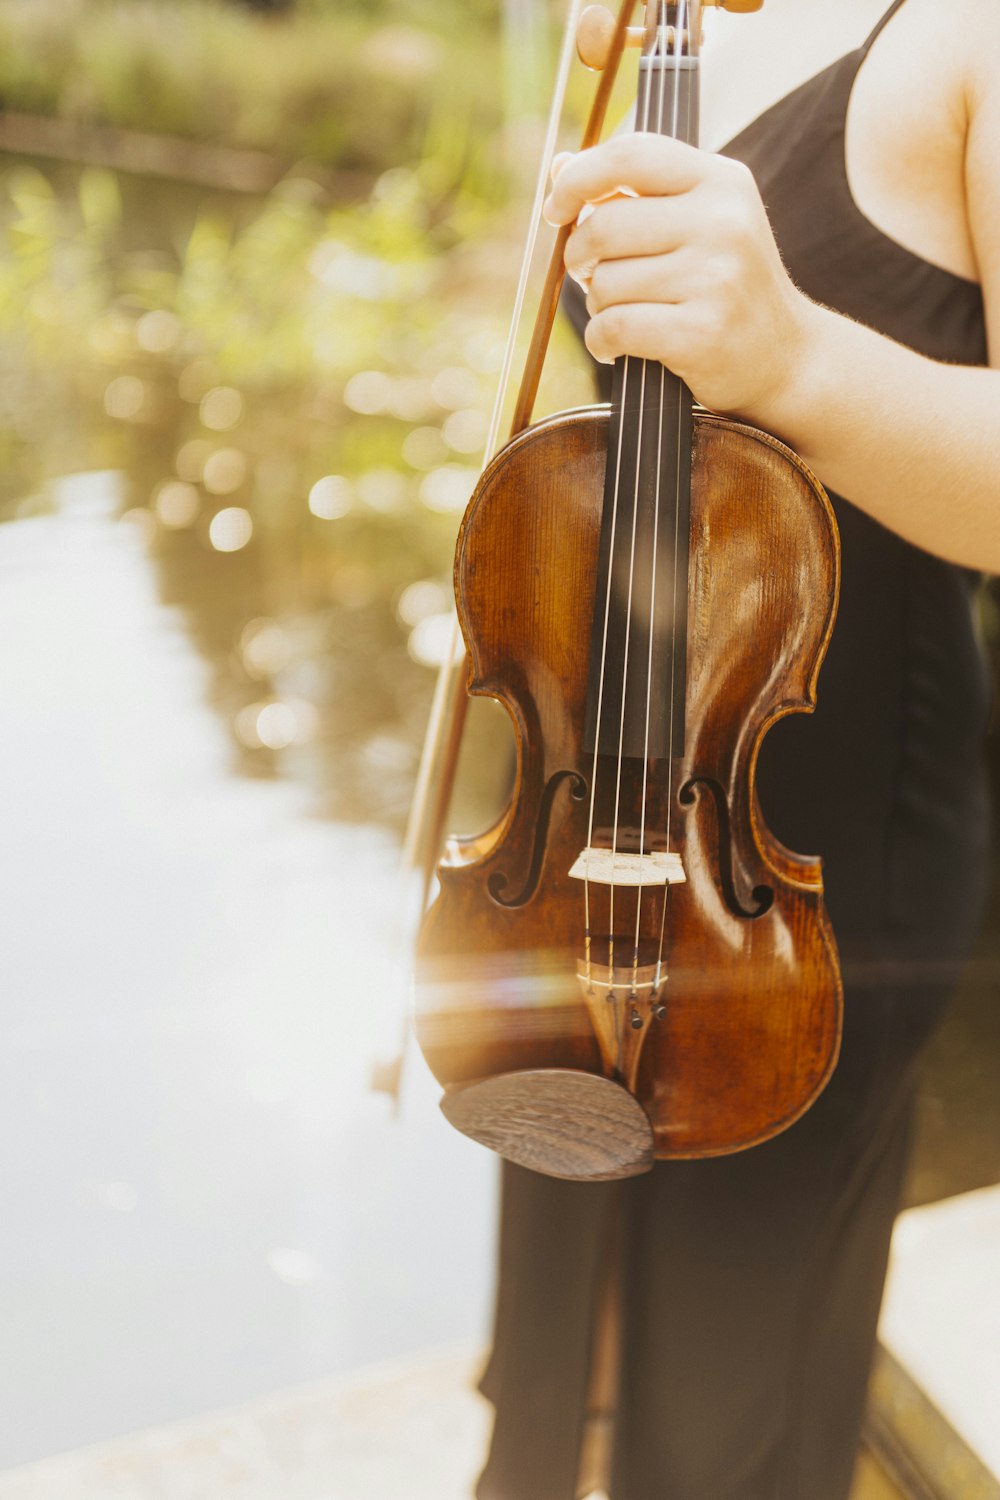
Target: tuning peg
(594, 31)
(596, 27)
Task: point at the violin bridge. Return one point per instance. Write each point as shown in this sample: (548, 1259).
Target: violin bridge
(625, 867)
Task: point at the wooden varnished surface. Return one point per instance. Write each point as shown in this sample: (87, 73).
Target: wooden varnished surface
(562, 1121)
(752, 1003)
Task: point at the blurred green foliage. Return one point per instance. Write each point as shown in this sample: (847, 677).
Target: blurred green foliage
(348, 85)
(227, 357)
(448, 14)
(295, 389)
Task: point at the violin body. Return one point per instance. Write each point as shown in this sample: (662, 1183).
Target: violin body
(629, 965)
(715, 1002)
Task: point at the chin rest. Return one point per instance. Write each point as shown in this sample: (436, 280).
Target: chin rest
(560, 1121)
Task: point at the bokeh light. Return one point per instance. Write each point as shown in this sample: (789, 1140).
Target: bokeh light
(124, 397)
(331, 497)
(382, 489)
(264, 647)
(368, 393)
(466, 430)
(420, 599)
(224, 471)
(448, 488)
(424, 448)
(158, 331)
(230, 529)
(191, 459)
(221, 408)
(431, 639)
(454, 387)
(177, 503)
(196, 380)
(410, 398)
(276, 724)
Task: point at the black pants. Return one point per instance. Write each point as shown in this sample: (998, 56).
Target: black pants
(751, 1290)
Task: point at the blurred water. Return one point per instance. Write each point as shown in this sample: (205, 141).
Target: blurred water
(202, 1199)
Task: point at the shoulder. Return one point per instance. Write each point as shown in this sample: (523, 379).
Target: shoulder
(909, 130)
(979, 42)
(964, 48)
(924, 137)
(944, 50)
(982, 150)
(979, 23)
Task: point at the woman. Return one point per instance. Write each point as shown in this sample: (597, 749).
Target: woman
(833, 277)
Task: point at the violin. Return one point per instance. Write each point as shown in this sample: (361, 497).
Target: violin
(629, 966)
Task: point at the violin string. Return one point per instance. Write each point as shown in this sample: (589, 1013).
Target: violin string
(588, 936)
(640, 432)
(600, 686)
(681, 19)
(625, 663)
(662, 43)
(663, 34)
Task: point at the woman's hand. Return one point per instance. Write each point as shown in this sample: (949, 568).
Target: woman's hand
(684, 269)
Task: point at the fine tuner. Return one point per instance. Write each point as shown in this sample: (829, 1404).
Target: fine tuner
(597, 26)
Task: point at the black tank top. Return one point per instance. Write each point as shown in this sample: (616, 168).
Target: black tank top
(886, 780)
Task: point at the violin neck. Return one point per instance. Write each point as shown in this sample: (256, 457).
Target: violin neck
(667, 97)
(638, 653)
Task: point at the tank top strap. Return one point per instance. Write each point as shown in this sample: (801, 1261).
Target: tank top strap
(880, 24)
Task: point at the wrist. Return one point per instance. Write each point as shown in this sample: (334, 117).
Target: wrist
(788, 407)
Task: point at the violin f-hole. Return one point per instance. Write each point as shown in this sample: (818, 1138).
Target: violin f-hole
(498, 881)
(743, 899)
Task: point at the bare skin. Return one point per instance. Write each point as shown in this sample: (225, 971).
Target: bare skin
(687, 271)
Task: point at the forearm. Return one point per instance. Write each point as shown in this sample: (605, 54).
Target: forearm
(913, 442)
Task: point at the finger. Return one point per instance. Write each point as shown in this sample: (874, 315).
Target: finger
(646, 330)
(651, 165)
(558, 162)
(648, 278)
(626, 227)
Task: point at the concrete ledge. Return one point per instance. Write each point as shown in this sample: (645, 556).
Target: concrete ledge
(936, 1389)
(417, 1430)
(914, 1444)
(413, 1431)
